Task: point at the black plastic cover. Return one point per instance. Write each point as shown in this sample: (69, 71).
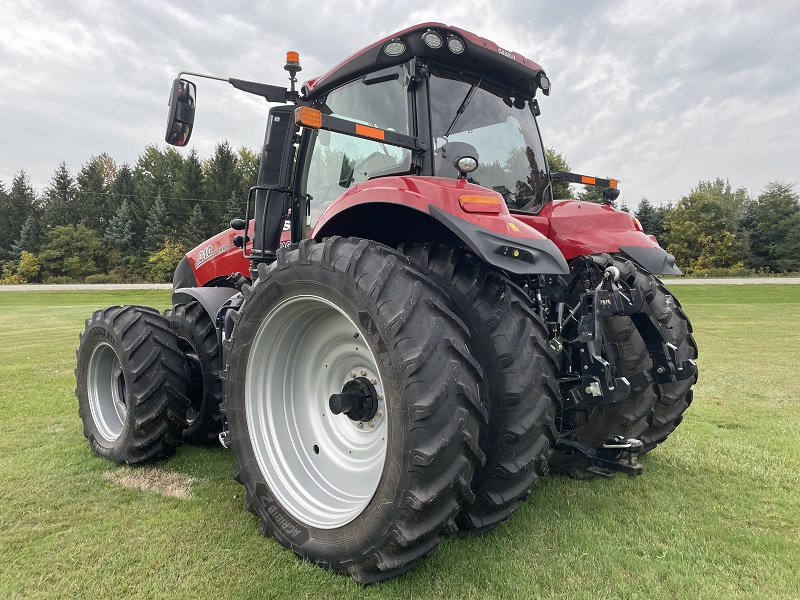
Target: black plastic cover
(536, 256)
(656, 260)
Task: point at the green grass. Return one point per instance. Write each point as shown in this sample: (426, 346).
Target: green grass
(715, 515)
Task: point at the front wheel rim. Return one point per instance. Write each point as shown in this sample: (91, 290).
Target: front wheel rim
(323, 468)
(106, 392)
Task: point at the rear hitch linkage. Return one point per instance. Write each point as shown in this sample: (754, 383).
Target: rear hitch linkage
(597, 382)
(617, 455)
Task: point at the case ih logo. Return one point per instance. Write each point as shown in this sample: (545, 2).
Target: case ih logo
(506, 53)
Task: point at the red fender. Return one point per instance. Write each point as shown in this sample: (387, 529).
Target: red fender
(421, 192)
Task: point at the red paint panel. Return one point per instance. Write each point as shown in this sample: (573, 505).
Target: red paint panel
(586, 228)
(218, 257)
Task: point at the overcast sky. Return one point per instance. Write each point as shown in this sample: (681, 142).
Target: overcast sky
(659, 94)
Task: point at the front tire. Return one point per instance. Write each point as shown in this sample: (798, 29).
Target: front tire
(131, 385)
(366, 496)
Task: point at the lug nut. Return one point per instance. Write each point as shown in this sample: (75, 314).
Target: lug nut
(373, 381)
(363, 372)
(370, 424)
(360, 425)
(352, 374)
(378, 414)
(380, 397)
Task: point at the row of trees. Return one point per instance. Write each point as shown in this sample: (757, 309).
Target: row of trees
(116, 223)
(123, 222)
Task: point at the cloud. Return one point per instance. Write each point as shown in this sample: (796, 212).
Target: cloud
(658, 94)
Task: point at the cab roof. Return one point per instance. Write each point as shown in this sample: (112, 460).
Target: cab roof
(480, 56)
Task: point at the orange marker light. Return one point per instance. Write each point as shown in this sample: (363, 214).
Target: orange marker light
(292, 57)
(587, 180)
(480, 204)
(308, 117)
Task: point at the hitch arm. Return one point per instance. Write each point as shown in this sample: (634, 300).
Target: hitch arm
(617, 455)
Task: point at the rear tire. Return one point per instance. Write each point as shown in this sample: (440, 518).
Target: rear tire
(131, 385)
(519, 388)
(367, 501)
(198, 341)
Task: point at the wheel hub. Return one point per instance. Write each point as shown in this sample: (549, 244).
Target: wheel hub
(358, 400)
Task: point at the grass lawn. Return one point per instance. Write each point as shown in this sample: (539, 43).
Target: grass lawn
(715, 515)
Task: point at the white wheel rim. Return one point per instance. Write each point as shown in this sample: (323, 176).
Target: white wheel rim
(323, 468)
(106, 390)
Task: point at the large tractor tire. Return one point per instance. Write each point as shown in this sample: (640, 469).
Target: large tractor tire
(652, 410)
(353, 408)
(520, 387)
(131, 385)
(197, 338)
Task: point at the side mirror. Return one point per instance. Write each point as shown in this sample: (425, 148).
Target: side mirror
(180, 118)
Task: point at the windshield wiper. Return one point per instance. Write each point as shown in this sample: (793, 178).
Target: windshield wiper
(463, 106)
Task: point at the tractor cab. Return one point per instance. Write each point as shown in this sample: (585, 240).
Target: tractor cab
(431, 101)
(462, 97)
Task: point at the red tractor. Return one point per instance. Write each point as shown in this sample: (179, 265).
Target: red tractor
(406, 329)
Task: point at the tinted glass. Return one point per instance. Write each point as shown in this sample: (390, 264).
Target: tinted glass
(511, 159)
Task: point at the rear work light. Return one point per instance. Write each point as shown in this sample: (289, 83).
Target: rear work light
(455, 45)
(394, 48)
(432, 39)
(480, 204)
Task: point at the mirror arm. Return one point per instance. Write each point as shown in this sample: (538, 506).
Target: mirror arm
(272, 93)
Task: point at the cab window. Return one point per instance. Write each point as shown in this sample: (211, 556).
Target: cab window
(335, 161)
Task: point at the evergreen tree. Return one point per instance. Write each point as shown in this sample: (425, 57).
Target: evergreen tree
(119, 232)
(30, 236)
(16, 206)
(59, 199)
(92, 195)
(124, 188)
(157, 228)
(5, 226)
(652, 219)
(23, 198)
(190, 190)
(222, 182)
(773, 220)
(194, 231)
